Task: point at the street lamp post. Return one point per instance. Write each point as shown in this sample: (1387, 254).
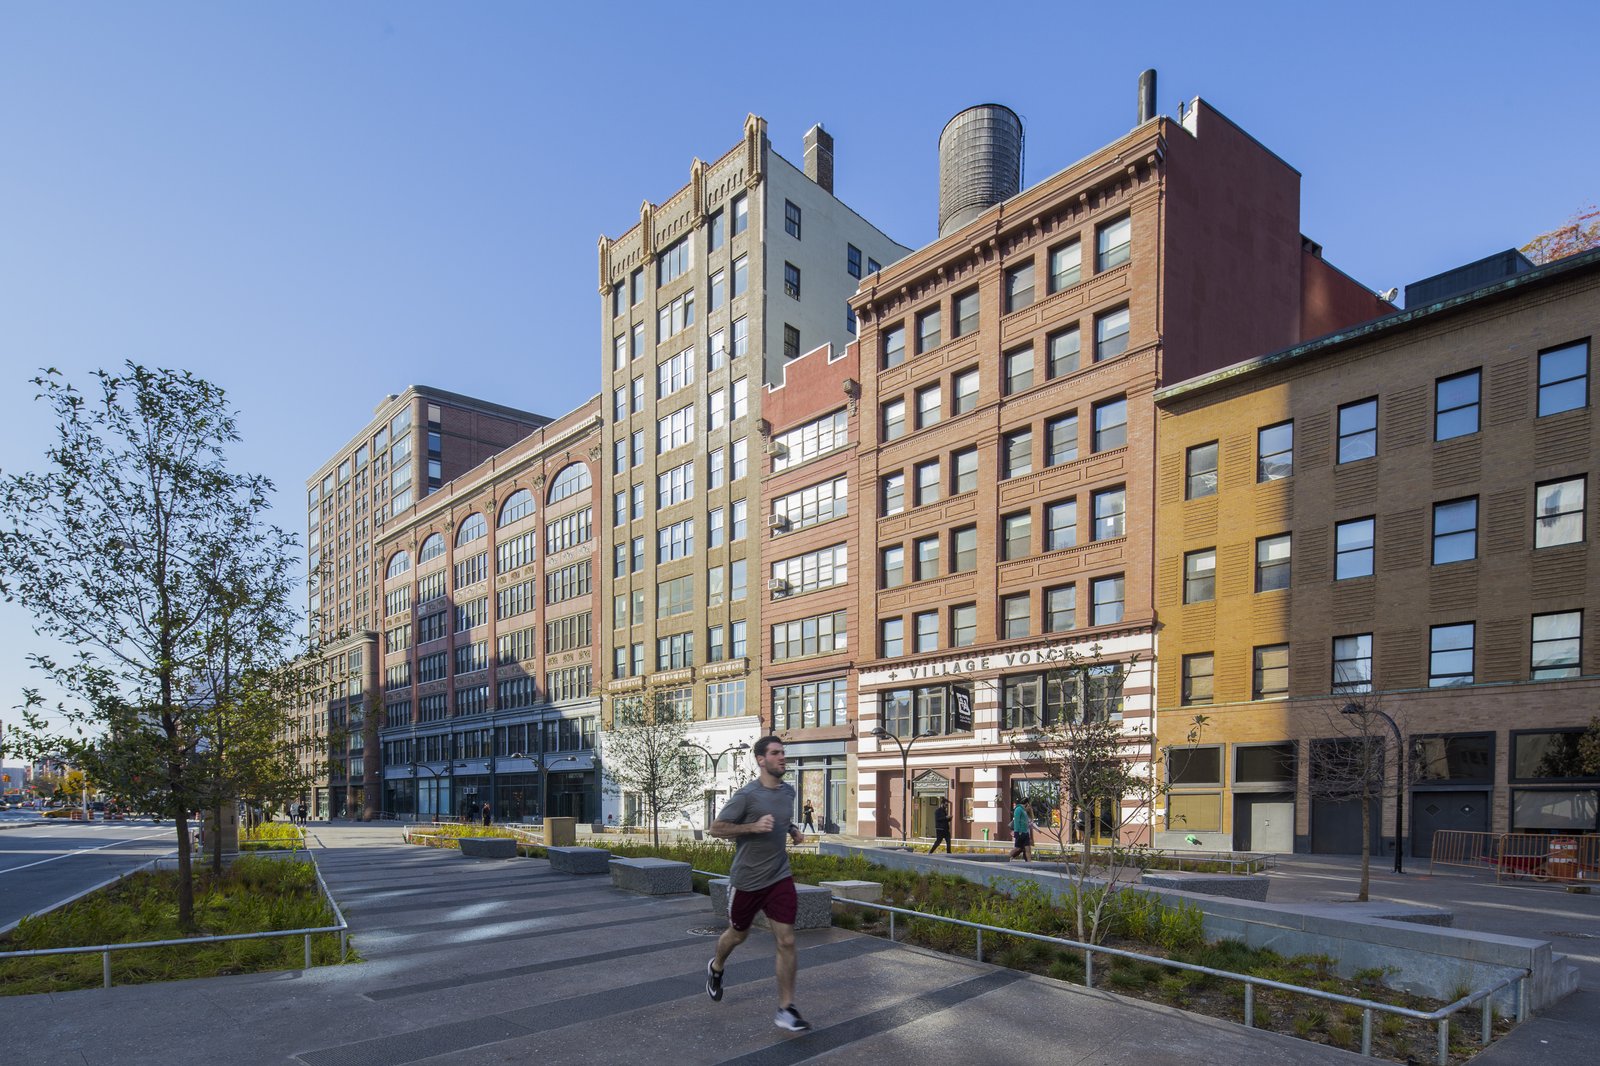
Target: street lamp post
(449, 771)
(544, 782)
(715, 759)
(905, 771)
(1400, 775)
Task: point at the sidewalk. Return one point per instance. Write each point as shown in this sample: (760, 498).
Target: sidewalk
(478, 962)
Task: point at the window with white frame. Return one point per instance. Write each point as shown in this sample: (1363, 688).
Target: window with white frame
(820, 569)
(1113, 243)
(813, 504)
(1272, 562)
(811, 440)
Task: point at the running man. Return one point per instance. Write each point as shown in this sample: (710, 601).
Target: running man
(757, 818)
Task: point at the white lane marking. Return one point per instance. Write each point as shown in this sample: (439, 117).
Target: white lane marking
(70, 854)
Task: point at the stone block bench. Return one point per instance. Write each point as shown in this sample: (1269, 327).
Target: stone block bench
(1234, 886)
(651, 877)
(815, 910)
(489, 847)
(866, 891)
(579, 860)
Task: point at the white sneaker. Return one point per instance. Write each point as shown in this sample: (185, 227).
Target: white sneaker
(789, 1018)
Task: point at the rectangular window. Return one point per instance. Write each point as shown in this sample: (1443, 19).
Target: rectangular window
(1200, 471)
(929, 335)
(741, 337)
(822, 569)
(1353, 541)
(619, 351)
(927, 562)
(717, 409)
(852, 260)
(636, 340)
(1358, 430)
(675, 317)
(1455, 531)
(891, 637)
(1019, 369)
(1062, 348)
(812, 704)
(791, 341)
(926, 631)
(1272, 563)
(1558, 513)
(741, 275)
(719, 289)
(1015, 616)
(569, 531)
(1110, 424)
(1060, 608)
(619, 403)
(850, 320)
(1352, 663)
(872, 265)
(1198, 672)
(675, 597)
(791, 219)
(673, 261)
(1270, 674)
(813, 504)
(894, 347)
(1110, 334)
(725, 699)
(1061, 529)
(739, 521)
(1455, 405)
(964, 471)
(963, 550)
(1016, 535)
(716, 231)
(676, 541)
(892, 570)
(810, 440)
(1450, 650)
(927, 487)
(675, 430)
(894, 420)
(738, 586)
(636, 285)
(1200, 576)
(1557, 643)
(1017, 457)
(964, 387)
(816, 635)
(675, 485)
(1066, 265)
(1110, 513)
(791, 280)
(675, 652)
(716, 529)
(1564, 378)
(1275, 451)
(1106, 596)
(964, 625)
(894, 494)
(1113, 241)
(930, 406)
(741, 213)
(1019, 287)
(1061, 439)
(966, 317)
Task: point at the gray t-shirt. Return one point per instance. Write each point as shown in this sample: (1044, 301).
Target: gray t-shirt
(760, 859)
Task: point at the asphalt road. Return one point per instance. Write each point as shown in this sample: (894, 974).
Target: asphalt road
(47, 862)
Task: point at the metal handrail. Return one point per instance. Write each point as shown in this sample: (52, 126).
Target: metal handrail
(1440, 1017)
(105, 950)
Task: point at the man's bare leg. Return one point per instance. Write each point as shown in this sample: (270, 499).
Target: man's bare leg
(730, 939)
(784, 936)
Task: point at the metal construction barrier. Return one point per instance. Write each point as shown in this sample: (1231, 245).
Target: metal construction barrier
(1562, 859)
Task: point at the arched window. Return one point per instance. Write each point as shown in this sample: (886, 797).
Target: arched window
(399, 563)
(471, 529)
(432, 548)
(518, 505)
(572, 479)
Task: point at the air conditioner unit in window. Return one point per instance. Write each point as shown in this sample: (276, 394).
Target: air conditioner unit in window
(778, 522)
(778, 586)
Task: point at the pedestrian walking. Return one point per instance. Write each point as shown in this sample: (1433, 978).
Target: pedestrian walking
(303, 815)
(810, 818)
(759, 819)
(1022, 835)
(941, 828)
(487, 816)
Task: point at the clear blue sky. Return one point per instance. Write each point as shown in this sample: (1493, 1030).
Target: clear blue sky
(367, 195)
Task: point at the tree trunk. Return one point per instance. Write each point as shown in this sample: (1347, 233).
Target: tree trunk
(1366, 848)
(216, 841)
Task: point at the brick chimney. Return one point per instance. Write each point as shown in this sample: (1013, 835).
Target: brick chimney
(819, 157)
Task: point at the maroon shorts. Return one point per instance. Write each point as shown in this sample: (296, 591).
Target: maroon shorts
(778, 901)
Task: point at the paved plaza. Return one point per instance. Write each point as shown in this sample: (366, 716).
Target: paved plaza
(477, 962)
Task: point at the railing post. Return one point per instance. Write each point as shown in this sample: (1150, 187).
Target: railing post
(344, 943)
(1249, 1005)
(308, 951)
(891, 927)
(1366, 1032)
(1522, 999)
(1088, 968)
(1488, 1019)
(980, 945)
(105, 968)
(1444, 1041)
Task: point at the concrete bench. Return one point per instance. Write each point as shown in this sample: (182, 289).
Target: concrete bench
(579, 860)
(651, 877)
(1233, 886)
(489, 847)
(814, 912)
(866, 891)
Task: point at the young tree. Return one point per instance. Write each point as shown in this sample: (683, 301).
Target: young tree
(1578, 234)
(1348, 765)
(1589, 748)
(1071, 728)
(644, 754)
(122, 549)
